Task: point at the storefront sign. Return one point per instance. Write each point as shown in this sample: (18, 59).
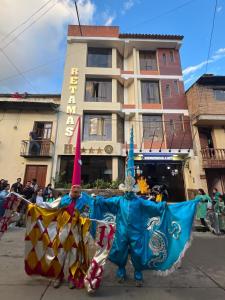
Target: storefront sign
(71, 104)
(158, 158)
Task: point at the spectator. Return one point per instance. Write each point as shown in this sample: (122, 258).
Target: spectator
(3, 184)
(48, 190)
(3, 195)
(28, 190)
(215, 198)
(38, 197)
(35, 146)
(17, 187)
(34, 184)
(50, 198)
(202, 206)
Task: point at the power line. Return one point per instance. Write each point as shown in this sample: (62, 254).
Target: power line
(164, 13)
(25, 21)
(17, 69)
(35, 21)
(78, 18)
(211, 35)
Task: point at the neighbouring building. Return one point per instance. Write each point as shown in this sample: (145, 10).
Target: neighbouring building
(113, 81)
(28, 125)
(206, 104)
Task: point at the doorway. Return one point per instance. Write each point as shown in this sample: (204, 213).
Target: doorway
(38, 172)
(215, 179)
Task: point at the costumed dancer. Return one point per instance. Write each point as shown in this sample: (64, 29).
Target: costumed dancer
(154, 235)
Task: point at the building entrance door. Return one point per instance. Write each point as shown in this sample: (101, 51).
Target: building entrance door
(215, 179)
(37, 172)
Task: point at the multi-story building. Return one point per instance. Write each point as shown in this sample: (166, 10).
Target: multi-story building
(114, 81)
(206, 103)
(28, 125)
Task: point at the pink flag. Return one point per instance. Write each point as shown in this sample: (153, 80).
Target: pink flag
(76, 179)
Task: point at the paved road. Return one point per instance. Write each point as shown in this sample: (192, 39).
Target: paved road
(202, 276)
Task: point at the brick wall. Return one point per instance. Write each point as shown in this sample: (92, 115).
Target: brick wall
(98, 31)
(170, 68)
(178, 128)
(175, 101)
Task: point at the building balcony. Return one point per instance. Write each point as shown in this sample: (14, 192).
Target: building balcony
(213, 158)
(37, 149)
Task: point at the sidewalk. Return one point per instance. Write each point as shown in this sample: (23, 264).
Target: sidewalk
(202, 275)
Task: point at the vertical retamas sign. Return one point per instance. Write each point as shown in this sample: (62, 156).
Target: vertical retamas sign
(71, 125)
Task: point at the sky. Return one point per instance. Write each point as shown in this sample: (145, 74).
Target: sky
(33, 36)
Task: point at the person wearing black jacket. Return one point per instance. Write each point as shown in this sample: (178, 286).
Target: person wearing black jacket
(17, 187)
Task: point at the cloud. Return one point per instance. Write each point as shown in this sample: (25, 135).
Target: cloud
(219, 54)
(219, 8)
(109, 21)
(127, 5)
(42, 42)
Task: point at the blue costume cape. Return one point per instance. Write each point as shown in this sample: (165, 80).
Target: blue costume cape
(155, 235)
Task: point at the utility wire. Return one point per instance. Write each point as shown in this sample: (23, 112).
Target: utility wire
(211, 35)
(78, 18)
(26, 28)
(25, 21)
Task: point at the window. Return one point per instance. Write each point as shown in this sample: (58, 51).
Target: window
(119, 61)
(99, 57)
(219, 95)
(176, 86)
(171, 56)
(150, 92)
(152, 126)
(120, 93)
(98, 90)
(120, 130)
(164, 58)
(42, 130)
(168, 93)
(97, 127)
(148, 60)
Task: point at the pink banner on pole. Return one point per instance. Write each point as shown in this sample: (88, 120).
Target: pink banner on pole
(76, 179)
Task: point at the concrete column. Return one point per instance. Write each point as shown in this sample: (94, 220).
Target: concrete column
(114, 91)
(115, 167)
(114, 128)
(114, 53)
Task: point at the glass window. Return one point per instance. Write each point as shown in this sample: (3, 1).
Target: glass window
(150, 92)
(171, 56)
(168, 93)
(42, 130)
(97, 127)
(120, 93)
(164, 58)
(120, 130)
(152, 127)
(119, 61)
(176, 86)
(219, 95)
(98, 90)
(148, 60)
(96, 167)
(99, 57)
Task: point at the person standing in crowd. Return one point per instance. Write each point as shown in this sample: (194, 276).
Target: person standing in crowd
(3, 184)
(48, 190)
(3, 194)
(50, 198)
(215, 198)
(17, 187)
(28, 190)
(38, 197)
(202, 206)
(34, 184)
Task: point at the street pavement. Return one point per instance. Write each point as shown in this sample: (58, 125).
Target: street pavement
(202, 275)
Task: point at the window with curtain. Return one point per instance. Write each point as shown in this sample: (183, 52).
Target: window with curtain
(164, 58)
(97, 127)
(148, 60)
(120, 92)
(120, 129)
(168, 91)
(171, 56)
(98, 90)
(176, 87)
(119, 60)
(99, 57)
(152, 126)
(150, 92)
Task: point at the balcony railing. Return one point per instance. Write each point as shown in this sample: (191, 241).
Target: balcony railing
(213, 158)
(37, 148)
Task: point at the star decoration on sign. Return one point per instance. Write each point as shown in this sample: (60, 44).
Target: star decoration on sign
(99, 150)
(91, 150)
(83, 150)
